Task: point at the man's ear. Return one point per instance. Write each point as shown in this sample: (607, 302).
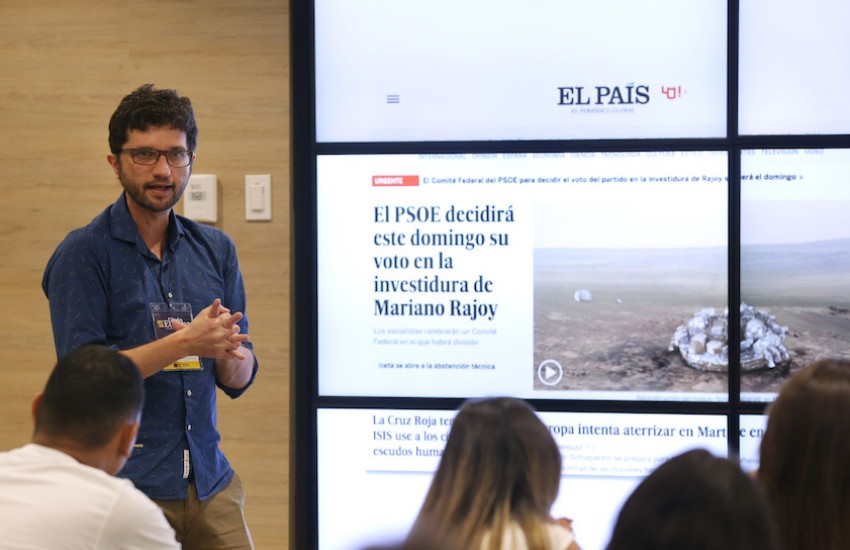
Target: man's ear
(36, 401)
(113, 162)
(127, 438)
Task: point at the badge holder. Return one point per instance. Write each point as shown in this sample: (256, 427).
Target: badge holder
(163, 315)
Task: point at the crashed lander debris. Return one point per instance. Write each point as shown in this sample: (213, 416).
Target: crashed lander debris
(703, 340)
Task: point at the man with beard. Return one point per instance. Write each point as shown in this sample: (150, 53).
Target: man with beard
(168, 293)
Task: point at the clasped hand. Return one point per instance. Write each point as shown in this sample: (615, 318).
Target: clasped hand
(214, 332)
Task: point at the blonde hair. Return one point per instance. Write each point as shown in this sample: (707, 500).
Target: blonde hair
(500, 465)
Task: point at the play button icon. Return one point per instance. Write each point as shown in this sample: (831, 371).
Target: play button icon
(550, 372)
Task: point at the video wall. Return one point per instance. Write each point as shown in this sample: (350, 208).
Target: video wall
(632, 216)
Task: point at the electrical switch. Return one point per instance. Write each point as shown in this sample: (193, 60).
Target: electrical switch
(258, 197)
(200, 199)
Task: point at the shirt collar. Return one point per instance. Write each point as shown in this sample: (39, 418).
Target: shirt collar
(124, 228)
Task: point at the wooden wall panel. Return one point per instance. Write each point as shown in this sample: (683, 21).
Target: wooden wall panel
(64, 65)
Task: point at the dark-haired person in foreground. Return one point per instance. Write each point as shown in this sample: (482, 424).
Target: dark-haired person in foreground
(695, 501)
(58, 491)
(804, 464)
(168, 293)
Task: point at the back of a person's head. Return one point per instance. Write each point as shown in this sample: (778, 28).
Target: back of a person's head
(500, 464)
(419, 541)
(695, 501)
(90, 393)
(805, 457)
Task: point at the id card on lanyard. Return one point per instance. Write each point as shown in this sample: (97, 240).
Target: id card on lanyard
(163, 314)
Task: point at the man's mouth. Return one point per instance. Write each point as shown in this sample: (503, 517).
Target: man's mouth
(160, 187)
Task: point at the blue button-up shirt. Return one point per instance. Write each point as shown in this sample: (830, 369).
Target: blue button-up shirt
(100, 283)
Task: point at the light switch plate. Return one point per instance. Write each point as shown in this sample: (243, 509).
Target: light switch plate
(258, 197)
(200, 199)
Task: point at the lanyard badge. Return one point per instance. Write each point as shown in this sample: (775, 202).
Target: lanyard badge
(163, 314)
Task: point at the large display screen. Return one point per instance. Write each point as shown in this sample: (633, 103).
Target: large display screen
(752, 428)
(373, 495)
(791, 59)
(557, 275)
(426, 70)
(795, 259)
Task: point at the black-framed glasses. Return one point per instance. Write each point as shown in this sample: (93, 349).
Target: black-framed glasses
(146, 156)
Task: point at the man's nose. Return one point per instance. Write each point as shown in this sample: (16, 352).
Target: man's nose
(161, 165)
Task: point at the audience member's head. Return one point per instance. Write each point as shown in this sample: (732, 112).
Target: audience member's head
(421, 541)
(91, 407)
(805, 457)
(500, 466)
(695, 501)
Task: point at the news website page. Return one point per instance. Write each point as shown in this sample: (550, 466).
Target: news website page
(374, 494)
(795, 260)
(552, 275)
(452, 71)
